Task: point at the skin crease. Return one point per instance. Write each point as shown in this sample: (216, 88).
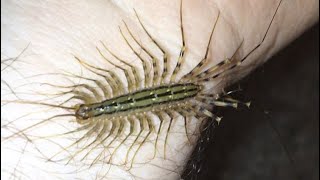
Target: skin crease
(53, 32)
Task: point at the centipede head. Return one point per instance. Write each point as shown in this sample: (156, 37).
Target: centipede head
(81, 113)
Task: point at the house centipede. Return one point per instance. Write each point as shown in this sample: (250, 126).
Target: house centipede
(103, 117)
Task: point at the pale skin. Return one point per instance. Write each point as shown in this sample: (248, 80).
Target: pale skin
(50, 34)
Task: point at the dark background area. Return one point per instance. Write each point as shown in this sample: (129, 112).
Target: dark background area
(278, 137)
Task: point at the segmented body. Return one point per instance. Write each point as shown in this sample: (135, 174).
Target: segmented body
(138, 100)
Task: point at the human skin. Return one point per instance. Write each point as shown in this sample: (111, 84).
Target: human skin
(54, 32)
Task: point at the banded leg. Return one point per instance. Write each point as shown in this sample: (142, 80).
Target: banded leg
(165, 54)
(203, 62)
(88, 133)
(114, 81)
(86, 97)
(148, 126)
(214, 102)
(100, 132)
(160, 117)
(135, 140)
(121, 131)
(252, 50)
(99, 136)
(155, 68)
(219, 68)
(132, 125)
(204, 112)
(134, 69)
(105, 91)
(184, 113)
(110, 132)
(183, 48)
(128, 77)
(171, 115)
(114, 131)
(146, 69)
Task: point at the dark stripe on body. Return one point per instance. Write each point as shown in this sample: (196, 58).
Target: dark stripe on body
(141, 99)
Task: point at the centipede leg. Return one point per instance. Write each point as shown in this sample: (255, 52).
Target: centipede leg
(149, 128)
(165, 54)
(125, 71)
(159, 115)
(113, 127)
(240, 60)
(185, 114)
(146, 68)
(126, 137)
(183, 48)
(203, 62)
(134, 70)
(154, 59)
(135, 140)
(167, 133)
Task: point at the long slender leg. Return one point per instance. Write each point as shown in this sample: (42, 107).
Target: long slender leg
(214, 102)
(183, 48)
(90, 132)
(148, 127)
(135, 140)
(106, 92)
(155, 68)
(238, 62)
(131, 122)
(216, 70)
(37, 124)
(116, 129)
(99, 136)
(171, 115)
(146, 68)
(81, 95)
(96, 94)
(113, 127)
(128, 77)
(165, 54)
(114, 81)
(185, 114)
(159, 115)
(134, 69)
(203, 62)
(100, 132)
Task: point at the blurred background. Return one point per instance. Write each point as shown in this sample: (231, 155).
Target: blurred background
(278, 137)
